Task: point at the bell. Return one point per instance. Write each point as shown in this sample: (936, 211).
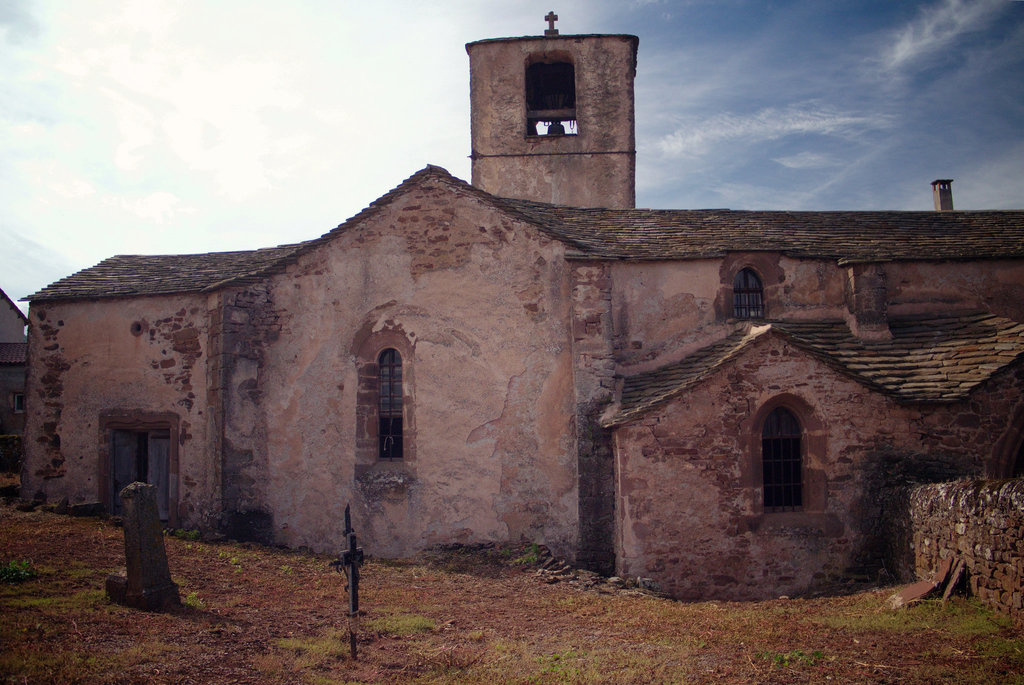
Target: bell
(556, 129)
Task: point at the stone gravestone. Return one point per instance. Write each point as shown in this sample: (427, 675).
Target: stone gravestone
(146, 581)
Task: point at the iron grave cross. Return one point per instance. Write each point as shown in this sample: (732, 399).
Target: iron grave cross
(551, 18)
(349, 562)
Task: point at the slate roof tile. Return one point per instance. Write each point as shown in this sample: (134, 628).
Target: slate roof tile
(634, 234)
(848, 237)
(926, 360)
(13, 354)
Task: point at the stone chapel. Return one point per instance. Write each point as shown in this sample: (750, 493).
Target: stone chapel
(712, 399)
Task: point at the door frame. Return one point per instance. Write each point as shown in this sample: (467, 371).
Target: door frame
(142, 421)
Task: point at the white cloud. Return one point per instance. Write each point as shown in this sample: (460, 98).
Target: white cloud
(696, 138)
(935, 27)
(159, 207)
(807, 160)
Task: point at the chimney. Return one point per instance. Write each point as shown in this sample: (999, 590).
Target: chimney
(942, 191)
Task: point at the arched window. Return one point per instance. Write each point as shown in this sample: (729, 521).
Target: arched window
(781, 461)
(389, 405)
(747, 296)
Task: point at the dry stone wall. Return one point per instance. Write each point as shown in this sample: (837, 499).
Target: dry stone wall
(982, 522)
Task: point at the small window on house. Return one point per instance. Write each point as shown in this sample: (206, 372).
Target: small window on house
(19, 403)
(551, 99)
(782, 462)
(747, 296)
(389, 407)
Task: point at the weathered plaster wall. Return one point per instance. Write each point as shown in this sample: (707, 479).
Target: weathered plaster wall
(665, 310)
(688, 474)
(117, 357)
(12, 324)
(992, 285)
(479, 306)
(595, 168)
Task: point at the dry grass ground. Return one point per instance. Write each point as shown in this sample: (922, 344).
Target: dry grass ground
(259, 615)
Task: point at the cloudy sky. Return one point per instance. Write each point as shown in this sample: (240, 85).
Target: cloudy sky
(167, 126)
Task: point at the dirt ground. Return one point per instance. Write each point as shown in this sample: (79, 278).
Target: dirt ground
(485, 615)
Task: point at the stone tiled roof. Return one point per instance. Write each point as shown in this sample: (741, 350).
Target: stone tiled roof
(926, 360)
(646, 390)
(131, 275)
(868, 236)
(13, 353)
(640, 234)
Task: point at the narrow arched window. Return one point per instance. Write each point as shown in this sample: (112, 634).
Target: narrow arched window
(389, 404)
(747, 296)
(781, 461)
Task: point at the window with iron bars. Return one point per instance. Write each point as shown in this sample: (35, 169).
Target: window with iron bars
(389, 406)
(747, 296)
(782, 463)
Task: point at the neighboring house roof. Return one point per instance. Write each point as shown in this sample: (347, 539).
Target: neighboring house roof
(13, 354)
(13, 306)
(926, 360)
(640, 234)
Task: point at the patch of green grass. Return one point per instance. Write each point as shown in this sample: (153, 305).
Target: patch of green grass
(79, 601)
(37, 663)
(331, 644)
(958, 617)
(183, 534)
(562, 666)
(84, 572)
(401, 624)
(42, 665)
(1008, 650)
(17, 572)
(193, 601)
(794, 657)
(531, 555)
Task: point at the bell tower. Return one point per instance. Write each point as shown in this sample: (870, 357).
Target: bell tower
(553, 118)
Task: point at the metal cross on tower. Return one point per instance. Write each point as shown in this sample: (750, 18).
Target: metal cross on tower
(551, 18)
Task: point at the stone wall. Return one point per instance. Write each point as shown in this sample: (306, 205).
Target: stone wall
(595, 382)
(243, 326)
(982, 522)
(689, 483)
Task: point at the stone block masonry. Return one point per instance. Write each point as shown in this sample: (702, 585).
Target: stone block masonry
(982, 522)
